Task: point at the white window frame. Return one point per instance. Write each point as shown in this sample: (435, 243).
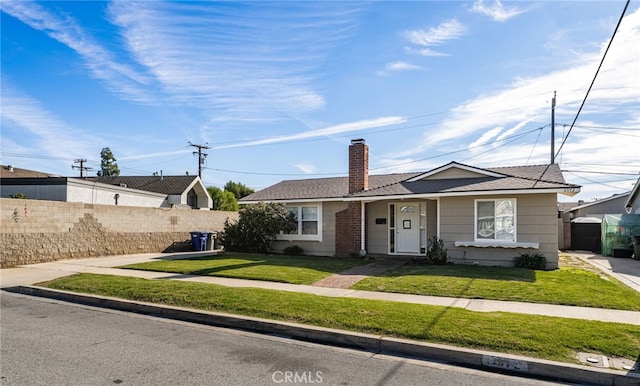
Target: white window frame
(298, 235)
(494, 240)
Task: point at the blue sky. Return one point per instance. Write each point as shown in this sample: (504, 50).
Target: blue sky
(277, 90)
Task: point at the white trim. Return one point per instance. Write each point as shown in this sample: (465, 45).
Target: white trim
(300, 237)
(495, 244)
(494, 200)
(438, 217)
(363, 246)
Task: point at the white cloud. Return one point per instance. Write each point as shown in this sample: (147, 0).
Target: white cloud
(435, 36)
(253, 64)
(424, 51)
(524, 105)
(402, 66)
(496, 11)
(119, 78)
(486, 137)
(306, 168)
(326, 132)
(46, 132)
(399, 66)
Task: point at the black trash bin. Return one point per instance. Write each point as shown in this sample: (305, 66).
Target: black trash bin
(196, 241)
(635, 239)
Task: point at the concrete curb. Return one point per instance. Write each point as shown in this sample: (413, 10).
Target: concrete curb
(484, 360)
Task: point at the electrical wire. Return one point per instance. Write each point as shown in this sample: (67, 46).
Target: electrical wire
(604, 55)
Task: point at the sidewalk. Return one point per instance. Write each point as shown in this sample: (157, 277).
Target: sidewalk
(35, 273)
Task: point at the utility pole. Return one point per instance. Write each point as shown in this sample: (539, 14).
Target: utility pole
(81, 167)
(553, 128)
(201, 156)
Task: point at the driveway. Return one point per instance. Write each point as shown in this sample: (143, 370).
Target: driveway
(624, 269)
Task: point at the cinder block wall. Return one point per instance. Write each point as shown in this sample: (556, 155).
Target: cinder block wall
(35, 231)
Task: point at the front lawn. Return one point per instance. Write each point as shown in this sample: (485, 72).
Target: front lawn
(565, 286)
(535, 336)
(284, 269)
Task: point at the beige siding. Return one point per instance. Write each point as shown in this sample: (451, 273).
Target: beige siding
(326, 247)
(454, 173)
(432, 219)
(536, 223)
(377, 234)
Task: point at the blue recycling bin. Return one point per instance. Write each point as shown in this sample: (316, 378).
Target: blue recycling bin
(196, 241)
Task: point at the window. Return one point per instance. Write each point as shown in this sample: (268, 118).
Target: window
(496, 220)
(309, 222)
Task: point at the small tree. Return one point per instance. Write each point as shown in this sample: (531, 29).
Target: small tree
(257, 228)
(223, 200)
(239, 190)
(18, 195)
(108, 165)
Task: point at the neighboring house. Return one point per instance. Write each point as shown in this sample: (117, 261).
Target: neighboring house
(485, 216)
(610, 205)
(152, 191)
(632, 205)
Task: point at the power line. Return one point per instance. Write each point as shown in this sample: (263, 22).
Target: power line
(615, 31)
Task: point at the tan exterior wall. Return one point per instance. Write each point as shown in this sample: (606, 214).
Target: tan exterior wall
(326, 247)
(537, 222)
(37, 231)
(378, 234)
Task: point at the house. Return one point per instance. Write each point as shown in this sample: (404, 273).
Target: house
(612, 204)
(143, 191)
(484, 216)
(632, 205)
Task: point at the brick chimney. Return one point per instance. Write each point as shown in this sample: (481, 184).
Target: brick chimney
(358, 166)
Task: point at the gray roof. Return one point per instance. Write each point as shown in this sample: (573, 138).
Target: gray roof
(8, 171)
(170, 185)
(511, 178)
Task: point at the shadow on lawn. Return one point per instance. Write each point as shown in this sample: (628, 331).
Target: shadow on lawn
(462, 271)
(323, 264)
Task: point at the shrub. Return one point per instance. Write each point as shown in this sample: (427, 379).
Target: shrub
(293, 250)
(530, 261)
(257, 228)
(437, 254)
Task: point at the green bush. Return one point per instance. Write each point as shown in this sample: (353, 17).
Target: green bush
(293, 250)
(257, 228)
(530, 261)
(437, 253)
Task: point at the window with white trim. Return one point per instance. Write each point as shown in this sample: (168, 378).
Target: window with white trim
(495, 220)
(309, 223)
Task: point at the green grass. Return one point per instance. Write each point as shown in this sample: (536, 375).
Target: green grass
(565, 286)
(284, 269)
(535, 336)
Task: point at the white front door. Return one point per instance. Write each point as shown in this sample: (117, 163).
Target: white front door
(408, 228)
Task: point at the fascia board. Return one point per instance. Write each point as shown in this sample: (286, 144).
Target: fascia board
(462, 194)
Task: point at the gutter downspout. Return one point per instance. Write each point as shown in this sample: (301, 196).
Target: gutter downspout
(363, 251)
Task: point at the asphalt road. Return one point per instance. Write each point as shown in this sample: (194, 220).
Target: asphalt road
(46, 342)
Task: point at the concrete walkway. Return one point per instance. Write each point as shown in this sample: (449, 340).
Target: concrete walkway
(36, 273)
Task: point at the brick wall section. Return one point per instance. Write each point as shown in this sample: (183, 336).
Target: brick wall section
(34, 231)
(348, 235)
